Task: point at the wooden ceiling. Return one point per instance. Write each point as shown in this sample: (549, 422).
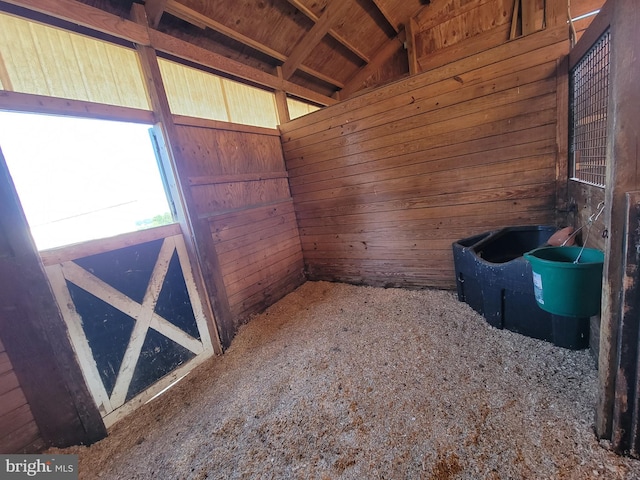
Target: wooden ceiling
(333, 47)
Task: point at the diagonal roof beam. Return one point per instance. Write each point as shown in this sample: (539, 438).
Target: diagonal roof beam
(313, 17)
(386, 16)
(194, 17)
(154, 9)
(333, 12)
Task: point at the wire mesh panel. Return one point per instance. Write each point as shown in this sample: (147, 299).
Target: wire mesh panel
(588, 114)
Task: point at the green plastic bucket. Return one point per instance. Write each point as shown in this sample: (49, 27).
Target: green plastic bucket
(563, 287)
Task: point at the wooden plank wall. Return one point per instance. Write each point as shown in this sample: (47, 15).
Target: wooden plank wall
(240, 187)
(383, 183)
(18, 429)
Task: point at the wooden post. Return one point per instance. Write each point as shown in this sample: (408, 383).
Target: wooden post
(624, 425)
(623, 168)
(410, 42)
(514, 19)
(281, 102)
(196, 232)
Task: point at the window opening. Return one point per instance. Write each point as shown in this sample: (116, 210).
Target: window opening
(589, 90)
(81, 179)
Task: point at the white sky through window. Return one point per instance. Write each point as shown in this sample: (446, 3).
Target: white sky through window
(81, 179)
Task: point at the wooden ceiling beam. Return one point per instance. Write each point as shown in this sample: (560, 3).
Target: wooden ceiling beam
(194, 17)
(200, 20)
(333, 12)
(154, 9)
(104, 22)
(313, 17)
(386, 16)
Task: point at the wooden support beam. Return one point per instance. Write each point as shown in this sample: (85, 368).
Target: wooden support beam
(331, 15)
(199, 243)
(410, 42)
(26, 102)
(514, 19)
(228, 126)
(312, 16)
(196, 18)
(282, 106)
(192, 16)
(96, 19)
(237, 178)
(625, 429)
(155, 9)
(623, 175)
(386, 16)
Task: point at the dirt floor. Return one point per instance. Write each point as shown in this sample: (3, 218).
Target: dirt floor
(343, 382)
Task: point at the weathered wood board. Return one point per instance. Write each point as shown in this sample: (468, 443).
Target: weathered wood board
(384, 183)
(240, 189)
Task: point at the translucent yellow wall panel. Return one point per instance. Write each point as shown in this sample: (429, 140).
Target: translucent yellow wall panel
(192, 92)
(249, 105)
(48, 61)
(298, 108)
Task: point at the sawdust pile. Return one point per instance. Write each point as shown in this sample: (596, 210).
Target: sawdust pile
(340, 381)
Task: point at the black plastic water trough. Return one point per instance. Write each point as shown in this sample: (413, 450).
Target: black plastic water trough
(493, 277)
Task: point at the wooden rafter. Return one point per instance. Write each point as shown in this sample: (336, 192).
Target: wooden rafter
(312, 16)
(385, 15)
(104, 22)
(331, 15)
(190, 15)
(196, 18)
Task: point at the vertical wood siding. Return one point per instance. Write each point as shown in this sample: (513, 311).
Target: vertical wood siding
(240, 186)
(383, 183)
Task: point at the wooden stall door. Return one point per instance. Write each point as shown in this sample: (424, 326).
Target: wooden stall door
(134, 315)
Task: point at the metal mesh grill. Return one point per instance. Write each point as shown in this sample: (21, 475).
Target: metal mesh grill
(588, 114)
